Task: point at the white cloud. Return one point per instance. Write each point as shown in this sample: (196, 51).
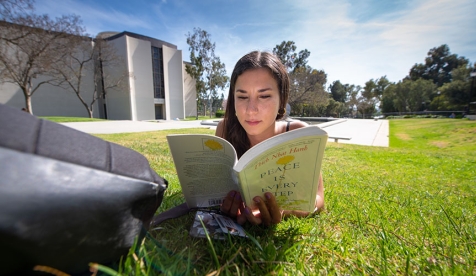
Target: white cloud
(356, 51)
(95, 19)
(351, 41)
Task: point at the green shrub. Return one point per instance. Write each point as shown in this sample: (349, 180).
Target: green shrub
(220, 113)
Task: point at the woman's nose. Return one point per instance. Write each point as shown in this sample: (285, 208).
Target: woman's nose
(252, 106)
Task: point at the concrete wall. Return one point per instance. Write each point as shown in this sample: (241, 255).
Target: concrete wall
(173, 82)
(11, 94)
(49, 100)
(118, 101)
(141, 82)
(189, 94)
(56, 101)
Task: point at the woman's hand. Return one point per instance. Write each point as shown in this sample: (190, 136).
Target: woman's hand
(266, 212)
(269, 212)
(231, 204)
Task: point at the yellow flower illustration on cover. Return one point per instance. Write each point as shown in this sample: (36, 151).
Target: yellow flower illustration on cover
(213, 145)
(285, 160)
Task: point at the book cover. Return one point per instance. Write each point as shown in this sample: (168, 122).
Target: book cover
(288, 168)
(288, 165)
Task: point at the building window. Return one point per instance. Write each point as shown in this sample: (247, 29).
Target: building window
(158, 72)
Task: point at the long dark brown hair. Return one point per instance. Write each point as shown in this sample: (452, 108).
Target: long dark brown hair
(233, 131)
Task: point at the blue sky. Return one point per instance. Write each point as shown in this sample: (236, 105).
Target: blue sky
(351, 40)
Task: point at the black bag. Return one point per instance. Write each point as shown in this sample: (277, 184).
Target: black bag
(68, 198)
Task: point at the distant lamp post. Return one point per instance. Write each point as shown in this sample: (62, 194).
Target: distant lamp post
(197, 108)
(438, 102)
(472, 75)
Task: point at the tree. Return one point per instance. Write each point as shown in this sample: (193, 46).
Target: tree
(89, 58)
(336, 109)
(368, 99)
(207, 69)
(408, 95)
(420, 92)
(372, 93)
(381, 84)
(307, 87)
(286, 52)
(217, 80)
(30, 45)
(455, 95)
(354, 101)
(11, 9)
(338, 91)
(438, 66)
(402, 90)
(375, 88)
(388, 99)
(218, 102)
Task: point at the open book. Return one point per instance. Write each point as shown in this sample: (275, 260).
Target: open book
(287, 165)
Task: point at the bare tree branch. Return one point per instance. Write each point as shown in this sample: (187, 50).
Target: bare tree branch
(31, 45)
(86, 60)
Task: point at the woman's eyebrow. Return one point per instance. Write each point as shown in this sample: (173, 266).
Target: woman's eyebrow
(264, 89)
(259, 91)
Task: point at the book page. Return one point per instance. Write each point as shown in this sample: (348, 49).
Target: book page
(288, 167)
(204, 166)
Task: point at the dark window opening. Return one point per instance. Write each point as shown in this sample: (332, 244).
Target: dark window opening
(158, 72)
(158, 112)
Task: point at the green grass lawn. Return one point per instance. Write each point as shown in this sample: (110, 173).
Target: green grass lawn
(406, 209)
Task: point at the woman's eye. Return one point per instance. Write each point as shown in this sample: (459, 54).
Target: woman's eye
(242, 97)
(265, 96)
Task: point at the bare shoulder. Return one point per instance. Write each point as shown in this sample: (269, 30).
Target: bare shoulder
(297, 124)
(220, 129)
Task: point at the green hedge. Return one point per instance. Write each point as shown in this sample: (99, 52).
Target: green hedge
(220, 113)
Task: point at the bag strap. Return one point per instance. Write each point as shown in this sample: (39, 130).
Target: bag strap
(171, 213)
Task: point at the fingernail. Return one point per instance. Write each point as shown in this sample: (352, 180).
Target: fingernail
(247, 211)
(257, 200)
(267, 195)
(237, 196)
(232, 193)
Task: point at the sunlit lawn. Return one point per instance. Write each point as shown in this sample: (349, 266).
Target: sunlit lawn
(406, 209)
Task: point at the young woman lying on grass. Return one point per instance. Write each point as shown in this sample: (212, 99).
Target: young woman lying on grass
(259, 90)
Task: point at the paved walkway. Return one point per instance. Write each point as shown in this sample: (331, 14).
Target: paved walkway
(366, 132)
(109, 127)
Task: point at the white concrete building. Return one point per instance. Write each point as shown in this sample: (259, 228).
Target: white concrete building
(157, 86)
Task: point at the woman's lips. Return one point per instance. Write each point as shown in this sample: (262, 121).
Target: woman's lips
(253, 123)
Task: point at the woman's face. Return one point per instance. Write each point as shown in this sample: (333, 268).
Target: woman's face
(257, 102)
